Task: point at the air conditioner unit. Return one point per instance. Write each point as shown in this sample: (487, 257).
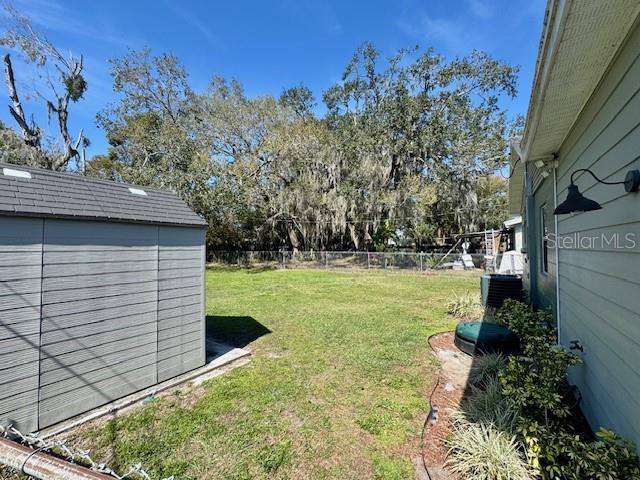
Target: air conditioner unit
(496, 288)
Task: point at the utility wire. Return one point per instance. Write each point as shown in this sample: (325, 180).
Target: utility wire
(513, 170)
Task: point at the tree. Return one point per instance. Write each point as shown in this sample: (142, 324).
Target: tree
(418, 122)
(408, 149)
(151, 130)
(13, 149)
(68, 86)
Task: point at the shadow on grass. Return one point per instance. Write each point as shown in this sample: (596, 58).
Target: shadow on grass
(235, 331)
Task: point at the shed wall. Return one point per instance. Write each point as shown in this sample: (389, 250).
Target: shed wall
(20, 265)
(93, 311)
(89, 279)
(181, 337)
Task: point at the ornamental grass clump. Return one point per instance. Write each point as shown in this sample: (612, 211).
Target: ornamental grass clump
(480, 451)
(488, 405)
(466, 306)
(486, 368)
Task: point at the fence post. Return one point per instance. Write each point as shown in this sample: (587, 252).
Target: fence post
(420, 260)
(368, 260)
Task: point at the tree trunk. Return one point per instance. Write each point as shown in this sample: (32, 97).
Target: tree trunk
(354, 236)
(293, 238)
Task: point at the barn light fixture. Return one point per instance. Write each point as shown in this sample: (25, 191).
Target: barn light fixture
(576, 202)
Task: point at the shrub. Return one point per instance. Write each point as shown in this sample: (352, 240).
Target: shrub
(610, 457)
(466, 306)
(482, 452)
(535, 384)
(535, 381)
(534, 327)
(527, 400)
(557, 453)
(486, 367)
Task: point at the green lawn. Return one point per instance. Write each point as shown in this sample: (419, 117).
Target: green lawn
(336, 387)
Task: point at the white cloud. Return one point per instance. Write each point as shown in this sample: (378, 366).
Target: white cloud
(482, 9)
(452, 36)
(52, 16)
(212, 39)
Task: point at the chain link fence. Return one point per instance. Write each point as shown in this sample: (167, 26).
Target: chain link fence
(61, 449)
(415, 261)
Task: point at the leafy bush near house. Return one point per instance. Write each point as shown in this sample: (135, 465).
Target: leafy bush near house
(466, 306)
(536, 381)
(482, 452)
(528, 399)
(558, 453)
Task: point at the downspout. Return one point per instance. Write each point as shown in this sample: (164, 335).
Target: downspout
(555, 221)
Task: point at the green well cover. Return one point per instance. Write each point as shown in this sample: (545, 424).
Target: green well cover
(484, 332)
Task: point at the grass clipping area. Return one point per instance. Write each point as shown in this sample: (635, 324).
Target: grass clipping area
(336, 388)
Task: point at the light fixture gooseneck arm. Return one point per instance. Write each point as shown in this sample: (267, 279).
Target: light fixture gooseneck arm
(576, 202)
(594, 176)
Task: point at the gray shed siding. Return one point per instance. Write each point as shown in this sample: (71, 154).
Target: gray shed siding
(181, 341)
(91, 311)
(598, 279)
(88, 358)
(20, 273)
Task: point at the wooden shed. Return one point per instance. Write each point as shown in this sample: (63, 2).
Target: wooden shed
(101, 293)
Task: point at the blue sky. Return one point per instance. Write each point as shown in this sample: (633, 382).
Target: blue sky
(272, 44)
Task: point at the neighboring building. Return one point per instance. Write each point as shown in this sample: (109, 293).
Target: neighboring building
(101, 293)
(585, 113)
(514, 225)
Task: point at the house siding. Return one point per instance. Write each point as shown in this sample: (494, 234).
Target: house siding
(598, 266)
(541, 284)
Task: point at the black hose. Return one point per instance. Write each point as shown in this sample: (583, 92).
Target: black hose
(433, 411)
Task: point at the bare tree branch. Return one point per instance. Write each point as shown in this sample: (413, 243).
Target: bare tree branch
(30, 133)
(39, 50)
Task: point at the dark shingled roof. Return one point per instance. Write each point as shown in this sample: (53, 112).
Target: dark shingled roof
(57, 194)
